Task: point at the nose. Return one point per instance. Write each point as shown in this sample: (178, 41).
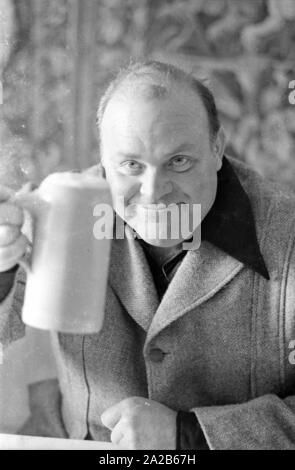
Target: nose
(154, 186)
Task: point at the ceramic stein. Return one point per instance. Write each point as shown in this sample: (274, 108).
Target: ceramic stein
(68, 271)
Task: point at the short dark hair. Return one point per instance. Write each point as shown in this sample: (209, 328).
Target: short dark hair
(158, 78)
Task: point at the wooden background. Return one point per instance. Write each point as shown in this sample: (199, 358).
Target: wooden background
(57, 56)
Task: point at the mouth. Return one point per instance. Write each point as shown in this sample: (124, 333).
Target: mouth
(151, 210)
(159, 207)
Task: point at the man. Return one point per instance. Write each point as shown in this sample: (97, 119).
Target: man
(195, 347)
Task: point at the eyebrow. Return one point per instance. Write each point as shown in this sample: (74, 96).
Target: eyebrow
(180, 148)
(129, 155)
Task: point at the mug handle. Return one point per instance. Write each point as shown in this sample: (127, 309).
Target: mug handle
(25, 261)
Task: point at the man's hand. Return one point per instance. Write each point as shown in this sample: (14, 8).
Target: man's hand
(139, 423)
(13, 243)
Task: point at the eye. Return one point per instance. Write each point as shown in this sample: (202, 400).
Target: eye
(180, 163)
(131, 167)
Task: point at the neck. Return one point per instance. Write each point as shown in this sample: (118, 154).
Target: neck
(162, 253)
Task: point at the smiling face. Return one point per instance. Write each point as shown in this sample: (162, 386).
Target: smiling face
(158, 152)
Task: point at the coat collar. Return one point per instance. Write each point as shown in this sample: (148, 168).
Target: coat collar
(202, 273)
(229, 225)
(131, 278)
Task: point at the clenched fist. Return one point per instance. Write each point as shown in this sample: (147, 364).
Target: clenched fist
(140, 423)
(13, 243)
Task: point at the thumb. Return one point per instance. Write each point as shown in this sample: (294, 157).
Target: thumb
(95, 170)
(26, 188)
(24, 199)
(111, 416)
(25, 195)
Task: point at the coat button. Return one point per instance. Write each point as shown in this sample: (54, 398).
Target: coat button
(156, 355)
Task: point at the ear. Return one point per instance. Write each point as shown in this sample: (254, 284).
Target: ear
(218, 147)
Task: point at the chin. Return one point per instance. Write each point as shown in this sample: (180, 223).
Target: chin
(162, 243)
(159, 238)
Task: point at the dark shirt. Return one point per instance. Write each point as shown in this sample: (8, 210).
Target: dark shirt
(230, 226)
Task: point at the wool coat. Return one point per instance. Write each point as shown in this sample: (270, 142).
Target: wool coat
(219, 343)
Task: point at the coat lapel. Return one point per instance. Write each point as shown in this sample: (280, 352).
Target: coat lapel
(201, 274)
(132, 280)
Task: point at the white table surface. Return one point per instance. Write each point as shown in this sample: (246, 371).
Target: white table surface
(16, 442)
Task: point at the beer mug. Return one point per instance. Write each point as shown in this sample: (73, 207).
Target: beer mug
(68, 270)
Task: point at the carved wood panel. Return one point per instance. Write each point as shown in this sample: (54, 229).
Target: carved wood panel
(63, 52)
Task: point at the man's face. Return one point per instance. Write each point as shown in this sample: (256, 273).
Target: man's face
(158, 152)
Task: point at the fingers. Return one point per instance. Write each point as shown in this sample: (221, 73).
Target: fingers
(13, 243)
(9, 234)
(111, 416)
(11, 214)
(27, 188)
(5, 193)
(11, 254)
(118, 433)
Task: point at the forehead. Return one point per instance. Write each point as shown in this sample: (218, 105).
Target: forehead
(178, 115)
